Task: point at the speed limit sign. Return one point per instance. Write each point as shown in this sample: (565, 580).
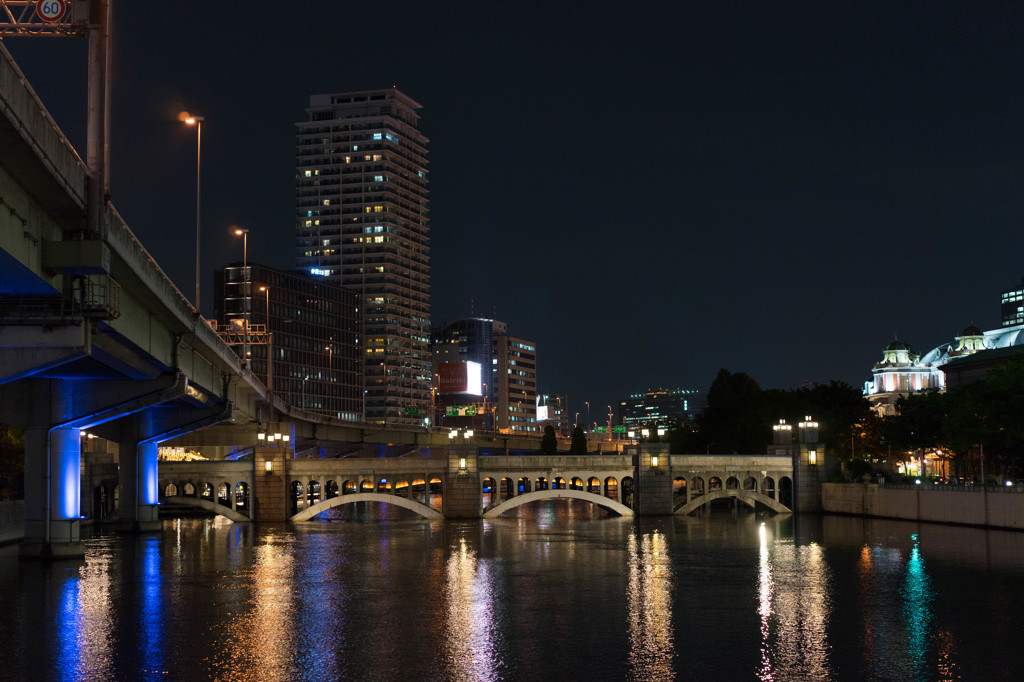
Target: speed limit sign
(51, 10)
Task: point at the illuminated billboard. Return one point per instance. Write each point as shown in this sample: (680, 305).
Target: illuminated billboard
(460, 377)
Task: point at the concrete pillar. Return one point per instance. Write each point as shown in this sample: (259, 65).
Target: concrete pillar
(652, 481)
(808, 469)
(138, 477)
(462, 497)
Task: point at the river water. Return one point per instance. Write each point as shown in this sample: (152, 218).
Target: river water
(559, 591)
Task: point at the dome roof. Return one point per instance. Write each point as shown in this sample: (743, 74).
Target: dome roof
(898, 345)
(971, 331)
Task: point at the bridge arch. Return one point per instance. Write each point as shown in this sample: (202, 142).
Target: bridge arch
(747, 496)
(387, 498)
(599, 500)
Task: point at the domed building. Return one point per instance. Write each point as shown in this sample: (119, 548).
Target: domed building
(901, 372)
(971, 354)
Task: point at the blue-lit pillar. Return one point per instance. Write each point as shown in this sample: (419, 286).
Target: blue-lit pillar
(53, 526)
(138, 476)
(149, 495)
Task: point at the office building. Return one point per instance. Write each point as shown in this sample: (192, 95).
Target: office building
(553, 410)
(1011, 303)
(481, 371)
(308, 327)
(660, 407)
(361, 212)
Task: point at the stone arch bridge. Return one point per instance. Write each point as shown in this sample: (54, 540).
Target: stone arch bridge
(463, 484)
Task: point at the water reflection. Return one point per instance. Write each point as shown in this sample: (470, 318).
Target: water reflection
(794, 598)
(649, 593)
(151, 617)
(84, 623)
(470, 628)
(256, 635)
(898, 625)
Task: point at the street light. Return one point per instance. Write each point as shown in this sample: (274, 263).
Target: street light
(197, 121)
(245, 288)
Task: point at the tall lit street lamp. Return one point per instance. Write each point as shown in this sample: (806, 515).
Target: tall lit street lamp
(244, 234)
(197, 121)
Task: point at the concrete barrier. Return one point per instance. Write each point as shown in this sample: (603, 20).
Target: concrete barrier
(964, 505)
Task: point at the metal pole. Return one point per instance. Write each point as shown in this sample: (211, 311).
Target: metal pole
(199, 156)
(98, 116)
(245, 295)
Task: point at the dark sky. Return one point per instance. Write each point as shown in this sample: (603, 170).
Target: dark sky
(651, 191)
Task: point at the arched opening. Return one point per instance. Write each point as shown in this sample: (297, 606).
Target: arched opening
(435, 486)
(697, 486)
(576, 483)
(313, 492)
(679, 487)
(224, 495)
(732, 483)
(542, 484)
(558, 483)
(786, 491)
(507, 489)
(594, 485)
(750, 483)
(242, 496)
(418, 491)
(206, 490)
(384, 486)
(611, 488)
(627, 491)
(768, 487)
(524, 486)
(296, 496)
(487, 492)
(715, 483)
(402, 488)
(189, 490)
(171, 490)
(330, 489)
(366, 487)
(348, 488)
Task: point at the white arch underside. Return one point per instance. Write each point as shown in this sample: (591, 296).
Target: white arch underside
(600, 500)
(320, 507)
(208, 505)
(747, 496)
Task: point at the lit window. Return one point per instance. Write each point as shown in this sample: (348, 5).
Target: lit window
(378, 240)
(378, 136)
(309, 174)
(327, 202)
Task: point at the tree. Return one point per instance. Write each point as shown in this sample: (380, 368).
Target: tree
(579, 442)
(734, 419)
(549, 443)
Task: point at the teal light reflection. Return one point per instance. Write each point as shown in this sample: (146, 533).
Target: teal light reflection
(917, 597)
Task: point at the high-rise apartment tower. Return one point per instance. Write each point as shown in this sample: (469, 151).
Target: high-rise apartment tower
(361, 212)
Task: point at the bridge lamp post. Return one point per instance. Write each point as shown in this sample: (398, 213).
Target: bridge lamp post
(244, 234)
(197, 121)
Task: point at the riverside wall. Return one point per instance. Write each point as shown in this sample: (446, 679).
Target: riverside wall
(963, 505)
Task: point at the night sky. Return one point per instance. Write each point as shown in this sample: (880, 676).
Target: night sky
(651, 191)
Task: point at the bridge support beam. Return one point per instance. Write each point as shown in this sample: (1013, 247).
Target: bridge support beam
(139, 435)
(653, 481)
